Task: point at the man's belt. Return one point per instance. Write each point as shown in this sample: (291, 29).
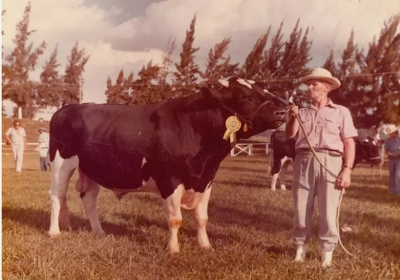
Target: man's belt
(330, 152)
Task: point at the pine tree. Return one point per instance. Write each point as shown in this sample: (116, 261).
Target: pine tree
(330, 64)
(271, 60)
(346, 67)
(73, 75)
(50, 89)
(376, 96)
(253, 62)
(284, 62)
(187, 70)
(145, 89)
(164, 88)
(20, 62)
(214, 69)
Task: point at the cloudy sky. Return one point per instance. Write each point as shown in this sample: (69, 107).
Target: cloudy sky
(128, 33)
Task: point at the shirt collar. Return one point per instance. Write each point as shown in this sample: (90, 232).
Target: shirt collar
(330, 104)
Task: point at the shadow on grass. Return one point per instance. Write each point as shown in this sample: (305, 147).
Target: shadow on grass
(40, 220)
(266, 184)
(271, 221)
(372, 194)
(380, 234)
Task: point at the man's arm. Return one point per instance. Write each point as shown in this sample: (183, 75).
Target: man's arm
(349, 152)
(8, 133)
(292, 125)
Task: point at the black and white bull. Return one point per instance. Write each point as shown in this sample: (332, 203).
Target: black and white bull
(283, 152)
(173, 148)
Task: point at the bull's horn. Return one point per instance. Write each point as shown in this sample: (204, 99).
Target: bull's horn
(244, 82)
(223, 82)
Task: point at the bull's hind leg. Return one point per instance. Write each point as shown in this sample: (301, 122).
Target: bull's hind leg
(89, 190)
(282, 178)
(62, 170)
(201, 217)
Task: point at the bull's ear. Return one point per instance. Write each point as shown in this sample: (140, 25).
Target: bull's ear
(216, 94)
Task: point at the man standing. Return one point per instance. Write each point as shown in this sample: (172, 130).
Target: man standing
(392, 148)
(44, 139)
(17, 137)
(330, 129)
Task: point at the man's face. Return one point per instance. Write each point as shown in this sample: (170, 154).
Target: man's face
(17, 125)
(394, 134)
(318, 89)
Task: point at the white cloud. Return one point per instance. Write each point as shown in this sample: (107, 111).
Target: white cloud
(64, 23)
(114, 47)
(330, 22)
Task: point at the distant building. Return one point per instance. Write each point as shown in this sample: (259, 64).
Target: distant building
(44, 114)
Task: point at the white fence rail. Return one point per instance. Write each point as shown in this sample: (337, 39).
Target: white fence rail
(247, 148)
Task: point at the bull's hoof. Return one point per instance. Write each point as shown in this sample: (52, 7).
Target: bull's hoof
(99, 232)
(54, 233)
(207, 247)
(273, 189)
(173, 249)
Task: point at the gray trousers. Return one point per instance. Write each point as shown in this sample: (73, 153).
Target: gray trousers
(394, 176)
(18, 152)
(310, 179)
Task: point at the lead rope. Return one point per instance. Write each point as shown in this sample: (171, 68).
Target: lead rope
(332, 174)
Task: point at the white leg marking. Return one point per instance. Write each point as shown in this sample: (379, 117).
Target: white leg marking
(174, 215)
(201, 216)
(62, 170)
(273, 181)
(285, 162)
(90, 202)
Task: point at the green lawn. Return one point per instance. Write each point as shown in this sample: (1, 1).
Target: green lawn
(249, 228)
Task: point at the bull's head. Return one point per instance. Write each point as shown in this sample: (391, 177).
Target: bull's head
(254, 107)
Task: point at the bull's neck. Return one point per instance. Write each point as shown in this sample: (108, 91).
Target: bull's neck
(208, 118)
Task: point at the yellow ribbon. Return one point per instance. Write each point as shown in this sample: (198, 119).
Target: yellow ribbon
(233, 125)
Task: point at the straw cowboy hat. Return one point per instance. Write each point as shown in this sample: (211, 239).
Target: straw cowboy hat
(390, 129)
(321, 74)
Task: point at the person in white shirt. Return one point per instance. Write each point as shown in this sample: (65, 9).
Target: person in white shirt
(43, 149)
(16, 136)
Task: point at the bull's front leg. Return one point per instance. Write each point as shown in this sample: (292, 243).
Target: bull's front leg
(174, 217)
(201, 217)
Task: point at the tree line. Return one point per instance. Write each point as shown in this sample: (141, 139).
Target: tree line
(370, 77)
(54, 88)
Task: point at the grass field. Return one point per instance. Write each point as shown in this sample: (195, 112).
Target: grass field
(249, 228)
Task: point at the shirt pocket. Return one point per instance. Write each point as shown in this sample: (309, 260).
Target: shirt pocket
(306, 122)
(332, 126)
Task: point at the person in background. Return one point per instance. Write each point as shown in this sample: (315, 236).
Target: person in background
(392, 148)
(331, 131)
(43, 149)
(16, 136)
